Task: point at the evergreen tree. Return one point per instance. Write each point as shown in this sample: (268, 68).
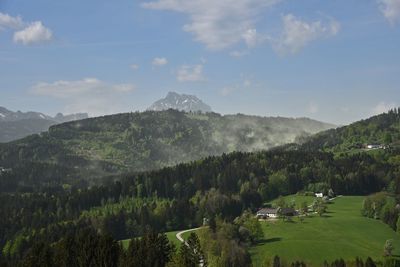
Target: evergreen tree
(276, 262)
(398, 225)
(369, 263)
(193, 243)
(185, 257)
(40, 255)
(151, 250)
(359, 262)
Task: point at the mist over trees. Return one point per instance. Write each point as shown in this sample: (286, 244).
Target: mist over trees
(37, 212)
(83, 151)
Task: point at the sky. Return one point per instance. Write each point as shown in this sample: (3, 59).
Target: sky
(334, 61)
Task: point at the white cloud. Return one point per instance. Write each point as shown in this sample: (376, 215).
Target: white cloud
(159, 61)
(188, 73)
(238, 54)
(297, 33)
(382, 107)
(247, 83)
(252, 38)
(9, 22)
(218, 24)
(312, 108)
(390, 9)
(228, 90)
(134, 67)
(244, 84)
(35, 32)
(87, 95)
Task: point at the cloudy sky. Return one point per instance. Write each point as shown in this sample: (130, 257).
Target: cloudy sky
(336, 61)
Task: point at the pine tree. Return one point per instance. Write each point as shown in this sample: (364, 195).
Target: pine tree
(40, 255)
(277, 261)
(359, 262)
(195, 247)
(370, 263)
(185, 257)
(398, 225)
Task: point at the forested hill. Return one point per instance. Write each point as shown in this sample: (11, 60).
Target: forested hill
(148, 140)
(383, 130)
(172, 198)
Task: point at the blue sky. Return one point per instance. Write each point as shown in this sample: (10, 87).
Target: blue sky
(336, 61)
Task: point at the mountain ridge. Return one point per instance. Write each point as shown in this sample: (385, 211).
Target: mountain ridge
(16, 125)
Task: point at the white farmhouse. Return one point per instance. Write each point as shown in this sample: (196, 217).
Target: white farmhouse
(319, 195)
(267, 213)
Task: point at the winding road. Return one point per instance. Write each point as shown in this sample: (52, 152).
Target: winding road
(179, 234)
(180, 238)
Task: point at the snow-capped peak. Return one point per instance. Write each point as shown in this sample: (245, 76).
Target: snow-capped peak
(181, 102)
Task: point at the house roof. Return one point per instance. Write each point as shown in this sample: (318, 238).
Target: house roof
(267, 211)
(288, 211)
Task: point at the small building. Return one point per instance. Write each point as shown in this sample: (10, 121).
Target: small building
(266, 213)
(269, 213)
(4, 170)
(319, 195)
(374, 146)
(288, 212)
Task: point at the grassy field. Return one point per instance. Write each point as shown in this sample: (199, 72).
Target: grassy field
(342, 233)
(172, 237)
(125, 243)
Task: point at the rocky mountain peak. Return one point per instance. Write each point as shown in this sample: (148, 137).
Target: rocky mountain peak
(182, 102)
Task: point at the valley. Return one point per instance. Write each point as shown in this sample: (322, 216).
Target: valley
(225, 191)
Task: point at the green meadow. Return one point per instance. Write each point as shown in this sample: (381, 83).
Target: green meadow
(341, 233)
(170, 235)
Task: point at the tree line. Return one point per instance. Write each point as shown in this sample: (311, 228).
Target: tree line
(180, 197)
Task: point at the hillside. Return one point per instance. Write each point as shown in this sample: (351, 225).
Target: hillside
(383, 129)
(151, 140)
(180, 197)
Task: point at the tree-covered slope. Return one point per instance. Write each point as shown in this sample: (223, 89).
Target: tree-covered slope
(383, 129)
(150, 140)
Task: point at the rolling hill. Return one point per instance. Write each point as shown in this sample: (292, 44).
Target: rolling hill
(383, 129)
(151, 140)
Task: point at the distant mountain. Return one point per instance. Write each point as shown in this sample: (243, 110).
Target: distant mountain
(16, 125)
(7, 115)
(148, 140)
(179, 102)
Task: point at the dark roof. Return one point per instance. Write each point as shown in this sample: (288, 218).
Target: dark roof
(288, 211)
